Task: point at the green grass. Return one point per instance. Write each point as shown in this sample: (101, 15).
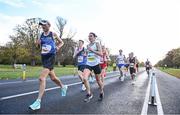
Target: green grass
(171, 71)
(10, 73)
(7, 72)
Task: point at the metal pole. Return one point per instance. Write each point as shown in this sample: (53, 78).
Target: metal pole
(152, 91)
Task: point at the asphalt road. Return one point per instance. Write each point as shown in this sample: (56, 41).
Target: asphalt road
(120, 97)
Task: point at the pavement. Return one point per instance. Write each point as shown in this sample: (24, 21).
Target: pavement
(120, 97)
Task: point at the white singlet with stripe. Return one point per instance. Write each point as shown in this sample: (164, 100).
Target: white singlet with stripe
(120, 59)
(92, 58)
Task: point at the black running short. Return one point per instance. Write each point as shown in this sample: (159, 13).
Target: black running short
(132, 70)
(96, 69)
(48, 61)
(81, 67)
(147, 68)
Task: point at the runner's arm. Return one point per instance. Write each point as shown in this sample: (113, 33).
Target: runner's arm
(135, 62)
(75, 53)
(38, 41)
(99, 50)
(117, 59)
(107, 55)
(60, 43)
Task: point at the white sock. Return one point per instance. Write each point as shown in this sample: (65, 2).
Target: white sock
(38, 100)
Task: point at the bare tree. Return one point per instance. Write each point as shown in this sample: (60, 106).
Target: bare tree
(61, 22)
(66, 52)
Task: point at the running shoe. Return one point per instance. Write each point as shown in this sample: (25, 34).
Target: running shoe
(101, 96)
(64, 90)
(36, 105)
(133, 83)
(88, 98)
(83, 87)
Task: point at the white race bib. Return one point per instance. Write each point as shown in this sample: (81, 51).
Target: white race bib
(121, 61)
(46, 49)
(80, 59)
(101, 59)
(91, 57)
(131, 64)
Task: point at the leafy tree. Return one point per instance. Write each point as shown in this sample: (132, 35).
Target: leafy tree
(172, 59)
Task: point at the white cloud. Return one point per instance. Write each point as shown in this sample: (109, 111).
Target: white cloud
(14, 3)
(7, 23)
(148, 28)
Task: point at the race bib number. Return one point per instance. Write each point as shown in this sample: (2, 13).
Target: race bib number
(80, 59)
(101, 59)
(121, 61)
(46, 49)
(91, 58)
(131, 64)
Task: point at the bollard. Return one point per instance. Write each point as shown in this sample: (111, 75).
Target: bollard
(152, 91)
(24, 75)
(74, 71)
(24, 72)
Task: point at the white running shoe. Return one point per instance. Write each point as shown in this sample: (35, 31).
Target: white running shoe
(88, 98)
(64, 90)
(83, 87)
(36, 105)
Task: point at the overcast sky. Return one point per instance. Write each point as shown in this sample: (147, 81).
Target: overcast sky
(149, 28)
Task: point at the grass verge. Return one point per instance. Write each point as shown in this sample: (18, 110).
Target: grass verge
(7, 72)
(171, 71)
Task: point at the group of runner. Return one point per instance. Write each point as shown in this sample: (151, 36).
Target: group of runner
(130, 63)
(92, 58)
(127, 64)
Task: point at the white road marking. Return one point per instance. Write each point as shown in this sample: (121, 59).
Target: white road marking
(14, 82)
(159, 105)
(145, 105)
(48, 89)
(33, 92)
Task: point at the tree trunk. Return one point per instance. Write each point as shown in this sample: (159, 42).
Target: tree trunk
(33, 62)
(59, 64)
